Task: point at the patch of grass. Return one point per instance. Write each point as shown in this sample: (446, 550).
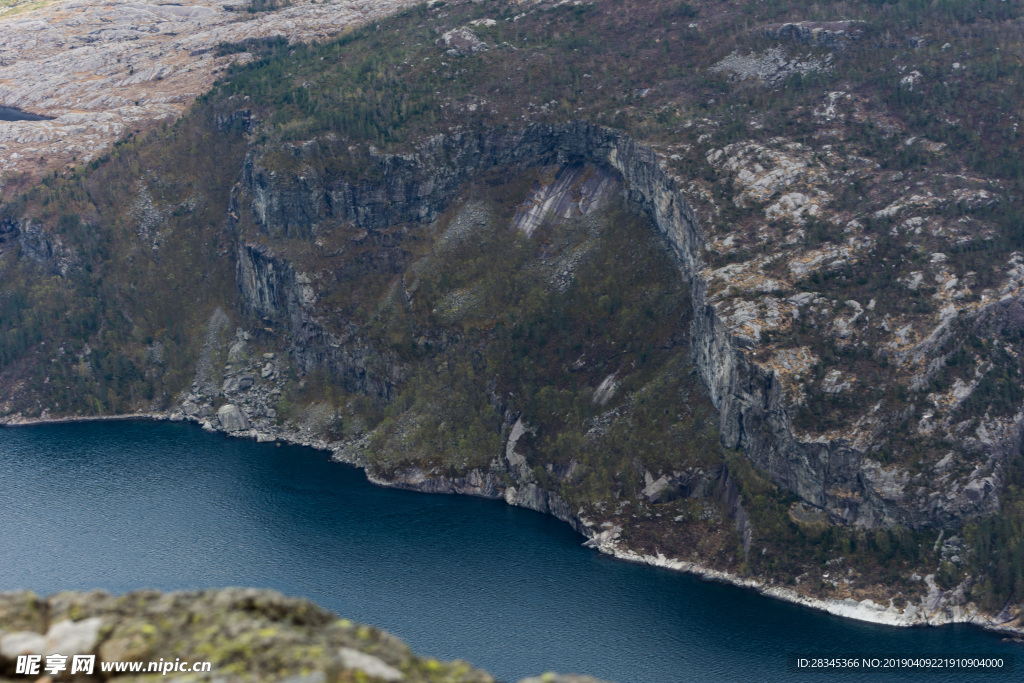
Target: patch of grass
(13, 8)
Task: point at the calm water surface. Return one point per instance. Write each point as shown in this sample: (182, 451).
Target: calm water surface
(13, 114)
(130, 505)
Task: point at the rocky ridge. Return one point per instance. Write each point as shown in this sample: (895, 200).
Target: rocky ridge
(100, 70)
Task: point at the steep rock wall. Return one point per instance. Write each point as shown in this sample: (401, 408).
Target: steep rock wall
(36, 244)
(753, 413)
(270, 288)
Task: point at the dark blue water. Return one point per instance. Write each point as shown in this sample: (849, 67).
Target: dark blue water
(134, 504)
(14, 114)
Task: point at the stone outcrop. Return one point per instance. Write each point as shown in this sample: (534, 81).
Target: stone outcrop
(831, 34)
(573, 192)
(772, 66)
(37, 245)
(244, 635)
(232, 418)
(270, 288)
(416, 187)
(833, 474)
(461, 42)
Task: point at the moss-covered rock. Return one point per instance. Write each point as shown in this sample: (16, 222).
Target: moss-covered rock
(244, 634)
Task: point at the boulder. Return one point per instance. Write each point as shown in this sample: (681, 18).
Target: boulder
(368, 664)
(65, 637)
(237, 352)
(657, 490)
(461, 41)
(73, 637)
(232, 418)
(238, 383)
(21, 643)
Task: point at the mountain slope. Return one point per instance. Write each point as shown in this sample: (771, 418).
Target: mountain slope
(422, 224)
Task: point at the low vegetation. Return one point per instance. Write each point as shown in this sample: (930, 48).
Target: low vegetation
(112, 271)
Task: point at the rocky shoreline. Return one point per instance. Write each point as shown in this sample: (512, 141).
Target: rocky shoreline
(936, 609)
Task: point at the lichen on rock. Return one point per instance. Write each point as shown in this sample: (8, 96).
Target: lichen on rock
(245, 635)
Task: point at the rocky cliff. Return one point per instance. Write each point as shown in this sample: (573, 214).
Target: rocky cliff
(754, 411)
(679, 248)
(831, 396)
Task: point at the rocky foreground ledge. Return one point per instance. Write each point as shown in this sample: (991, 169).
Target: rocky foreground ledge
(245, 634)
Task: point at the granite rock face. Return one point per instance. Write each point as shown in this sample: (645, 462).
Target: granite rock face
(232, 418)
(461, 42)
(833, 34)
(271, 288)
(36, 244)
(772, 66)
(835, 474)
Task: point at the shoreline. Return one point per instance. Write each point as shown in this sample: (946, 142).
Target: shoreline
(33, 421)
(914, 615)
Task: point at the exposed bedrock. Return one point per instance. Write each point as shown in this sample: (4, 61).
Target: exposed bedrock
(716, 485)
(280, 638)
(36, 243)
(310, 198)
(271, 289)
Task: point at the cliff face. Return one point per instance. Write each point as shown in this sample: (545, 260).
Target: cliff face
(394, 189)
(851, 406)
(846, 258)
(754, 411)
(269, 288)
(35, 245)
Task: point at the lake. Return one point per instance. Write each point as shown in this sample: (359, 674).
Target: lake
(14, 114)
(136, 504)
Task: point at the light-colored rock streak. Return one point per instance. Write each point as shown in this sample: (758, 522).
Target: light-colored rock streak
(575, 191)
(103, 69)
(935, 609)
